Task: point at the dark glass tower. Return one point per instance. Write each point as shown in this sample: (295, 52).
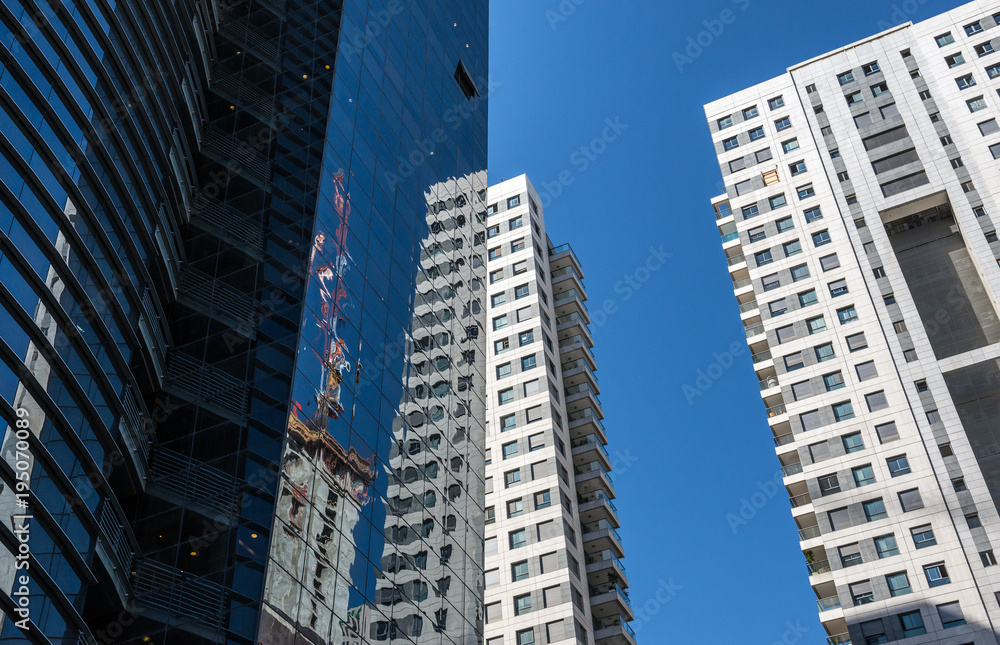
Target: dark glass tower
(241, 277)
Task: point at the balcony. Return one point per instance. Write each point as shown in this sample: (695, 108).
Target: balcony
(580, 371)
(590, 446)
(791, 469)
(738, 259)
(218, 299)
(206, 385)
(784, 439)
(237, 229)
(233, 151)
(583, 422)
(569, 302)
(776, 411)
(798, 501)
(593, 476)
(827, 604)
(742, 284)
(598, 506)
(601, 564)
(563, 255)
(572, 324)
(178, 593)
(755, 330)
(181, 479)
(768, 383)
(839, 639)
(760, 357)
(613, 630)
(581, 392)
(610, 599)
(257, 42)
(747, 307)
(566, 273)
(601, 535)
(575, 347)
(730, 237)
(816, 568)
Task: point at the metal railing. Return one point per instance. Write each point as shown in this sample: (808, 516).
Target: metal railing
(564, 248)
(216, 296)
(826, 604)
(582, 388)
(748, 306)
(613, 621)
(572, 365)
(839, 639)
(195, 481)
(229, 148)
(570, 318)
(253, 40)
(776, 410)
(596, 496)
(205, 383)
(566, 296)
(784, 439)
(179, 593)
(610, 587)
(601, 525)
(590, 439)
(769, 382)
(607, 555)
(558, 273)
(118, 539)
(815, 568)
(739, 284)
(737, 259)
(755, 330)
(809, 533)
(228, 223)
(587, 414)
(760, 357)
(592, 467)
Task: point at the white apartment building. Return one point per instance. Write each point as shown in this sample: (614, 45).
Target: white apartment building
(859, 224)
(553, 554)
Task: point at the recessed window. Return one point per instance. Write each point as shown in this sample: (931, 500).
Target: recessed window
(861, 592)
(813, 214)
(845, 78)
(791, 248)
(985, 49)
(828, 485)
(924, 95)
(959, 484)
(863, 475)
(807, 298)
(874, 510)
(898, 465)
(838, 288)
(777, 201)
(856, 342)
(797, 168)
(910, 500)
(834, 381)
(756, 134)
(776, 103)
(886, 546)
(879, 89)
(829, 262)
(923, 536)
(898, 584)
(763, 155)
(965, 82)
(854, 98)
(816, 325)
(806, 191)
(951, 614)
(973, 521)
(790, 145)
(954, 61)
(936, 574)
(912, 624)
(847, 315)
(843, 411)
(784, 224)
(876, 401)
(853, 442)
(976, 104)
(515, 507)
(825, 352)
(783, 124)
(750, 112)
(725, 122)
(944, 39)
(850, 555)
(866, 371)
(821, 238)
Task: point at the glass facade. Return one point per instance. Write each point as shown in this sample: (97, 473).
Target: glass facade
(241, 277)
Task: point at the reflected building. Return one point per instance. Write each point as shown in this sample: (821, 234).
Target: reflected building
(214, 216)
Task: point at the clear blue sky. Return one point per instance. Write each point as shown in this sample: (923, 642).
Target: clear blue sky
(689, 465)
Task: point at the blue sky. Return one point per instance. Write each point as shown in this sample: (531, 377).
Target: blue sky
(603, 75)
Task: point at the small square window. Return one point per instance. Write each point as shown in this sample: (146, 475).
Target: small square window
(806, 191)
(750, 113)
(853, 442)
(725, 122)
(944, 39)
(898, 465)
(821, 238)
(775, 103)
(783, 124)
(845, 78)
(973, 521)
(784, 224)
(936, 574)
(923, 536)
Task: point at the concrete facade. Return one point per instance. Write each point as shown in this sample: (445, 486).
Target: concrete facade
(859, 226)
(553, 556)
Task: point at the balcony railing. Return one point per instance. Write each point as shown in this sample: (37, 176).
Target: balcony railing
(592, 467)
(839, 639)
(610, 587)
(737, 260)
(748, 306)
(755, 330)
(564, 248)
(760, 357)
(809, 533)
(791, 469)
(815, 568)
(588, 414)
(800, 500)
(730, 237)
(776, 410)
(769, 382)
(566, 296)
(570, 318)
(590, 439)
(601, 525)
(784, 439)
(739, 284)
(596, 496)
(826, 604)
(613, 621)
(572, 365)
(181, 594)
(558, 273)
(607, 555)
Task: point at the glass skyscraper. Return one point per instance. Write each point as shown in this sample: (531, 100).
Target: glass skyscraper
(241, 278)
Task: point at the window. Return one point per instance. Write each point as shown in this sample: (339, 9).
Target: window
(988, 558)
(838, 288)
(793, 362)
(821, 238)
(731, 143)
(874, 510)
(810, 420)
(797, 168)
(979, 211)
(770, 282)
(757, 234)
(843, 411)
(835, 153)
(816, 325)
(523, 314)
(863, 475)
(509, 450)
(496, 276)
(806, 191)
(937, 574)
(750, 113)
(813, 214)
(995, 151)
(946, 450)
(976, 104)
(763, 257)
(968, 186)
(756, 134)
(854, 98)
(508, 422)
(528, 363)
(763, 155)
(861, 592)
(520, 267)
(807, 298)
(853, 442)
(491, 517)
(985, 49)
(750, 211)
(498, 299)
(776, 103)
(526, 637)
(959, 484)
(501, 346)
(862, 120)
(811, 89)
(737, 164)
(493, 231)
(951, 614)
(517, 245)
(954, 61)
(898, 584)
(515, 507)
(973, 521)
(533, 414)
(839, 518)
(843, 176)
(512, 478)
(505, 396)
(784, 224)
(522, 604)
(910, 500)
(791, 248)
(833, 381)
(493, 253)
(525, 338)
(965, 82)
(826, 130)
(777, 202)
(521, 291)
(850, 555)
(825, 352)
(829, 262)
(890, 110)
(886, 546)
(887, 432)
(912, 624)
(800, 272)
(847, 315)
(503, 371)
(783, 124)
(944, 39)
(519, 570)
(910, 355)
(790, 145)
(845, 78)
(993, 71)
(889, 299)
(518, 539)
(725, 122)
(923, 536)
(514, 202)
(785, 334)
(857, 342)
(876, 401)
(973, 28)
(828, 485)
(801, 390)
